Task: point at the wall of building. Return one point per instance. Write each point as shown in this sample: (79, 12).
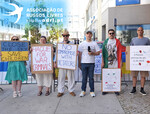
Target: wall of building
(126, 15)
(93, 17)
(7, 26)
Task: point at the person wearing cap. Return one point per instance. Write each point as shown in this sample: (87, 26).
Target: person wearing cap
(63, 72)
(111, 53)
(44, 79)
(87, 51)
(96, 39)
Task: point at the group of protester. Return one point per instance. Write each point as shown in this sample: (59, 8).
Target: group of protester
(87, 50)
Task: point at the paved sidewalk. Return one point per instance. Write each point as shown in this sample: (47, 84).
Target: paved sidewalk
(136, 103)
(30, 103)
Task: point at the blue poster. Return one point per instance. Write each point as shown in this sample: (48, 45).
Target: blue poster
(98, 61)
(127, 2)
(14, 46)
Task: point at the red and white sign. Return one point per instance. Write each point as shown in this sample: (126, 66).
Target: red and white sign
(111, 80)
(140, 58)
(42, 59)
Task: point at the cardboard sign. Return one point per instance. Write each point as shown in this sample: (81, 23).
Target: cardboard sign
(138, 58)
(14, 51)
(42, 58)
(111, 80)
(66, 56)
(98, 61)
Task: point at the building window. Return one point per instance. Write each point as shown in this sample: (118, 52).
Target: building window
(12, 25)
(1, 23)
(1, 10)
(126, 32)
(7, 1)
(18, 26)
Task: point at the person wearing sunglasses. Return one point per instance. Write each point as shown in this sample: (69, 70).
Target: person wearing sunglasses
(111, 53)
(63, 72)
(16, 73)
(140, 40)
(87, 51)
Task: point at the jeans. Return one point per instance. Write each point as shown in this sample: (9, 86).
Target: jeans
(87, 71)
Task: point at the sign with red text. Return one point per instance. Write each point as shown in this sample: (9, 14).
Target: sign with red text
(66, 56)
(42, 58)
(111, 80)
(138, 58)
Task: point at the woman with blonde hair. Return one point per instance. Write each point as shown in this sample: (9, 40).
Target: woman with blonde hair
(16, 73)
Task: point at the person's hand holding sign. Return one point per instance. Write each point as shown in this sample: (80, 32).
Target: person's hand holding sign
(55, 65)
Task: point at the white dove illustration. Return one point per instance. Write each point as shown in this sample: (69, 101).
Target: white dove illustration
(17, 11)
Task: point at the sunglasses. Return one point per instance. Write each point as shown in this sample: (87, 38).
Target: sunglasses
(66, 35)
(15, 39)
(112, 33)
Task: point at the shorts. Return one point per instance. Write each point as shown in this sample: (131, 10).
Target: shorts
(142, 73)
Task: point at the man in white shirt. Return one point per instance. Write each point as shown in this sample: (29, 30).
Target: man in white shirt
(87, 51)
(63, 72)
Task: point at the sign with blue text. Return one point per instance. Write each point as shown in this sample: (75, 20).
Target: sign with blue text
(98, 61)
(126, 2)
(66, 56)
(14, 51)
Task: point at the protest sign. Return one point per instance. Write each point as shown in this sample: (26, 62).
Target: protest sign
(111, 80)
(98, 61)
(138, 58)
(14, 51)
(3, 71)
(41, 58)
(66, 56)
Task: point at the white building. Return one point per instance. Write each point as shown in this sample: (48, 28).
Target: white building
(75, 21)
(7, 26)
(127, 15)
(93, 17)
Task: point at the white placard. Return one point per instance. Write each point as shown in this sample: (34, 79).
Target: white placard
(140, 58)
(42, 59)
(66, 56)
(98, 61)
(111, 80)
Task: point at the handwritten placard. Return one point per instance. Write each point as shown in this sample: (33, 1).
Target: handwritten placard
(111, 80)
(66, 56)
(139, 58)
(98, 61)
(41, 58)
(14, 51)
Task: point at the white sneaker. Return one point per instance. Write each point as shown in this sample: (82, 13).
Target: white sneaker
(92, 94)
(19, 94)
(82, 94)
(14, 94)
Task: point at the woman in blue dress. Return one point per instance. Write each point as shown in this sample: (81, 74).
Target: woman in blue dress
(16, 73)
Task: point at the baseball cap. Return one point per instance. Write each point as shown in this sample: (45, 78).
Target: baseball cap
(89, 31)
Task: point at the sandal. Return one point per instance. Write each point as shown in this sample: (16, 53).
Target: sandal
(47, 93)
(40, 93)
(19, 94)
(14, 94)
